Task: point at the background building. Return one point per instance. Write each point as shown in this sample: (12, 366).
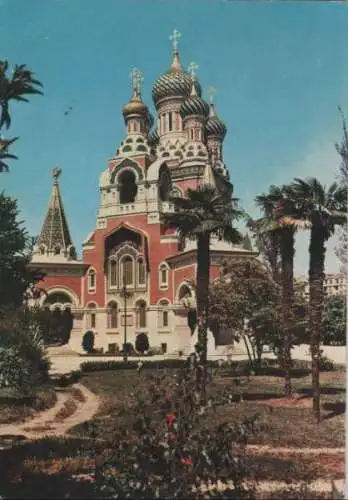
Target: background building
(334, 284)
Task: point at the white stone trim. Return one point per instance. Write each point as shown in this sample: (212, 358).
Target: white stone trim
(74, 298)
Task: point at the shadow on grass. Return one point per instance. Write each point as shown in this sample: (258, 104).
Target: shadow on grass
(47, 486)
(337, 408)
(308, 391)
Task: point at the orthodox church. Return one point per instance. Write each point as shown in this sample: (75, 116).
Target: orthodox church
(136, 275)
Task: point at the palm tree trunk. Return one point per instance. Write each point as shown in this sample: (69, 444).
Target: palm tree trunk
(316, 298)
(202, 291)
(287, 251)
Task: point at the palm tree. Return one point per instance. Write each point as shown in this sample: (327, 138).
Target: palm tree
(5, 155)
(204, 212)
(321, 210)
(280, 234)
(15, 88)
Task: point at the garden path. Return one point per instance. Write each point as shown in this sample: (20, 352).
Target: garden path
(45, 425)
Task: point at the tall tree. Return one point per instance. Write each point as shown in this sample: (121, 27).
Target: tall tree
(198, 216)
(14, 87)
(342, 149)
(15, 277)
(276, 230)
(321, 210)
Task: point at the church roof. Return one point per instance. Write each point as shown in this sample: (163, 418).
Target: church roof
(55, 231)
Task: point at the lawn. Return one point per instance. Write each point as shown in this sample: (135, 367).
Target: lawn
(15, 408)
(48, 466)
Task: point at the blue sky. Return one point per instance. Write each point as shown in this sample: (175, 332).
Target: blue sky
(280, 69)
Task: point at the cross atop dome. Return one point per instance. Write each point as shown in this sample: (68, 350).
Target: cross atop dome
(174, 37)
(211, 93)
(137, 79)
(192, 69)
(56, 174)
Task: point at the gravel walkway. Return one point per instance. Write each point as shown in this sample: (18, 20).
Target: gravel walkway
(44, 424)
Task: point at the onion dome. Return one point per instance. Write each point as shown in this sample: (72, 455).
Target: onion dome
(135, 105)
(214, 126)
(174, 83)
(194, 105)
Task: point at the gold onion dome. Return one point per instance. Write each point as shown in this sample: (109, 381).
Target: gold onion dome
(136, 106)
(214, 126)
(194, 105)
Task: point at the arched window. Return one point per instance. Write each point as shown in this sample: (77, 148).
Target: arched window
(163, 276)
(164, 186)
(128, 187)
(42, 250)
(141, 314)
(170, 121)
(127, 271)
(57, 250)
(163, 319)
(141, 278)
(112, 315)
(91, 280)
(92, 316)
(113, 273)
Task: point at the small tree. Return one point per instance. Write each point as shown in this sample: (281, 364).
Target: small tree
(142, 343)
(88, 341)
(334, 320)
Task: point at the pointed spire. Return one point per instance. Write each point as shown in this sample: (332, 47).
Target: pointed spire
(211, 94)
(55, 231)
(176, 64)
(192, 70)
(208, 176)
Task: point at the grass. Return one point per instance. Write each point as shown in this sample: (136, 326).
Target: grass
(47, 466)
(15, 408)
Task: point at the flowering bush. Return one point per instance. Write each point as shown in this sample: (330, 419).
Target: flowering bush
(172, 452)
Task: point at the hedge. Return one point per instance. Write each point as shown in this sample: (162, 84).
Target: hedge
(94, 366)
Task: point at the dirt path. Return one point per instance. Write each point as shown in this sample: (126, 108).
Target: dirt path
(260, 448)
(46, 424)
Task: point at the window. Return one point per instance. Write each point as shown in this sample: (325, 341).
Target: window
(163, 319)
(112, 315)
(127, 270)
(141, 271)
(91, 279)
(91, 319)
(163, 276)
(170, 121)
(164, 348)
(141, 314)
(56, 250)
(128, 187)
(113, 273)
(42, 250)
(177, 121)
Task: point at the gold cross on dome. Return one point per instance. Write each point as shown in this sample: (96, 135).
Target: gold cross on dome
(55, 174)
(175, 37)
(137, 79)
(192, 69)
(211, 93)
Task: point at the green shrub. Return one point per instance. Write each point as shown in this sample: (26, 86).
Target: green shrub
(325, 364)
(88, 341)
(24, 363)
(142, 343)
(171, 451)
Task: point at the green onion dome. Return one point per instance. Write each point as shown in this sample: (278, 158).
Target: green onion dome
(174, 83)
(194, 105)
(214, 126)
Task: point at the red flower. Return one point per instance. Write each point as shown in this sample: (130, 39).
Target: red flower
(170, 419)
(186, 460)
(173, 437)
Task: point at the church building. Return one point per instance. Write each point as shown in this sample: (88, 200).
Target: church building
(136, 275)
